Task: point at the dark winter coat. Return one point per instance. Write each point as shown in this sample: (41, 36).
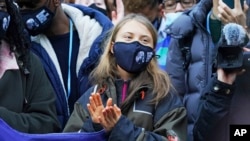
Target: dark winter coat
(143, 121)
(27, 102)
(190, 82)
(92, 27)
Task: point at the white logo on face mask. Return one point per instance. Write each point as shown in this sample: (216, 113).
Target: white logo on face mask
(42, 16)
(140, 57)
(149, 56)
(6, 21)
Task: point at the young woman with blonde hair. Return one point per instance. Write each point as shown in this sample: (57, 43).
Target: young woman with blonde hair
(140, 103)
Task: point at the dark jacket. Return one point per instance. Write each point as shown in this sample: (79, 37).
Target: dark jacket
(143, 121)
(221, 108)
(190, 82)
(91, 27)
(27, 102)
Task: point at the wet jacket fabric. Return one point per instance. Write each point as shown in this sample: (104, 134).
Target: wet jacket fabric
(143, 121)
(190, 82)
(27, 101)
(92, 27)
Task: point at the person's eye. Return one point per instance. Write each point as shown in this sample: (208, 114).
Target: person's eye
(188, 3)
(145, 40)
(127, 37)
(98, 4)
(170, 4)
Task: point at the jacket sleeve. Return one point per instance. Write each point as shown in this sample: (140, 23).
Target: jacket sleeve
(168, 120)
(76, 120)
(175, 66)
(175, 60)
(39, 113)
(214, 106)
(79, 115)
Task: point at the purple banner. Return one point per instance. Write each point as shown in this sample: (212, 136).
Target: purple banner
(9, 134)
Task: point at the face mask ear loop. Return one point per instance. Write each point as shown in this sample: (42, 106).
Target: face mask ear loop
(157, 56)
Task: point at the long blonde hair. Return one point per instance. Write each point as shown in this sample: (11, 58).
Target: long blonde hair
(152, 76)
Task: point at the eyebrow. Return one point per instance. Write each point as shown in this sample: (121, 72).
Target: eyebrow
(145, 35)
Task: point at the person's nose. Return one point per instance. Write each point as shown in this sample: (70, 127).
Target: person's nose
(179, 7)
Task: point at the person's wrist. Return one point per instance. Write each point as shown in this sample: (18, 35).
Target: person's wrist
(222, 88)
(214, 16)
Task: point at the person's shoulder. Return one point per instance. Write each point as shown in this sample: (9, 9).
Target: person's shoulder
(32, 57)
(171, 101)
(174, 98)
(182, 25)
(92, 13)
(83, 100)
(34, 60)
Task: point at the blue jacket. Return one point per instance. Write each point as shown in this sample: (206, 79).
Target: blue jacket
(190, 83)
(91, 27)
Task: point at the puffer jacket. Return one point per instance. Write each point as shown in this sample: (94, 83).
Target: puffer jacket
(92, 27)
(143, 121)
(189, 83)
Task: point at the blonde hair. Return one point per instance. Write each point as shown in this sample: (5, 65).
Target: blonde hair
(152, 76)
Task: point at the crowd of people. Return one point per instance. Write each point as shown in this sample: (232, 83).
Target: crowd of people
(134, 69)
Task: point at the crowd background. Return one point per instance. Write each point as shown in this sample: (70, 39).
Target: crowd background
(74, 43)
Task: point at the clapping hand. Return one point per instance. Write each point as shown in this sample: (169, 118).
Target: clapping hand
(111, 114)
(106, 116)
(95, 107)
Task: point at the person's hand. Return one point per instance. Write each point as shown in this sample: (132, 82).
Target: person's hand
(115, 12)
(226, 77)
(228, 15)
(110, 6)
(229, 77)
(172, 138)
(95, 107)
(111, 114)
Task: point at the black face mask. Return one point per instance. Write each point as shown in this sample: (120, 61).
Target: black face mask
(132, 57)
(37, 21)
(4, 23)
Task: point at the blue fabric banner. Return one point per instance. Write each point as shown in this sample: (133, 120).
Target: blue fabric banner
(9, 134)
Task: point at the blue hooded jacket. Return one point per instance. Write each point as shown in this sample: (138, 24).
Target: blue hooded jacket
(92, 27)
